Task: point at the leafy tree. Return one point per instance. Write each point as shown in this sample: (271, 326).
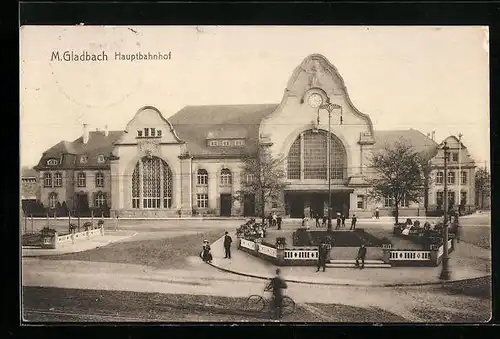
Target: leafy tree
(263, 176)
(399, 175)
(483, 184)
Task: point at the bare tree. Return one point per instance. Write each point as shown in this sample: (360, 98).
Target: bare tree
(482, 183)
(264, 177)
(399, 175)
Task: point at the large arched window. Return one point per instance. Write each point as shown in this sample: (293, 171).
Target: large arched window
(226, 177)
(202, 177)
(152, 184)
(314, 157)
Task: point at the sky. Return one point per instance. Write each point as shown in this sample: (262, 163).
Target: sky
(426, 78)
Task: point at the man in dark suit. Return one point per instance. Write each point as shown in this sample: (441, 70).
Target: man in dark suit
(322, 254)
(277, 285)
(227, 245)
(361, 256)
(279, 220)
(353, 222)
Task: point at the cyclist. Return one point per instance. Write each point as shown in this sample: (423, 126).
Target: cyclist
(276, 285)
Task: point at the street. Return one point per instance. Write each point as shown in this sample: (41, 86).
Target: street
(111, 269)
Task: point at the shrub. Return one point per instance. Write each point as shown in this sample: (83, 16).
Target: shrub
(47, 232)
(280, 242)
(87, 225)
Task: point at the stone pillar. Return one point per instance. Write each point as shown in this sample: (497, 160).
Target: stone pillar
(386, 255)
(186, 207)
(280, 256)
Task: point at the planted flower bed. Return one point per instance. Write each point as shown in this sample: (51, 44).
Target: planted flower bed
(339, 238)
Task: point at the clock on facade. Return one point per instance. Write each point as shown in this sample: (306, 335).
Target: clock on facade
(315, 100)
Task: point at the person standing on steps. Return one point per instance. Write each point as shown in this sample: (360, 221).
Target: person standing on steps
(227, 245)
(322, 254)
(377, 213)
(343, 220)
(353, 222)
(361, 256)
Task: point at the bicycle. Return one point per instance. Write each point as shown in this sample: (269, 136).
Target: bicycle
(259, 303)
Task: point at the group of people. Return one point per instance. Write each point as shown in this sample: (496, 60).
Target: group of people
(252, 229)
(274, 220)
(341, 218)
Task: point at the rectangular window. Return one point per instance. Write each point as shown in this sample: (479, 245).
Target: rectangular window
(47, 180)
(100, 158)
(463, 198)
(82, 180)
(238, 142)
(153, 131)
(361, 201)
(202, 200)
(463, 178)
(451, 198)
(158, 133)
(439, 178)
(404, 202)
(225, 143)
(451, 177)
(439, 198)
(455, 156)
(99, 179)
(146, 132)
(213, 143)
(139, 134)
(388, 202)
(58, 180)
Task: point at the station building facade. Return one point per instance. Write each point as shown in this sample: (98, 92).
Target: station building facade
(192, 161)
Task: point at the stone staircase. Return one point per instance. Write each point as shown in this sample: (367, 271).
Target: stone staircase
(352, 264)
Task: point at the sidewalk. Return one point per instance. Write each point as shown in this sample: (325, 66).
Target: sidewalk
(79, 246)
(467, 262)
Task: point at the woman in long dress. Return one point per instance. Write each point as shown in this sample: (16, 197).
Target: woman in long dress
(206, 255)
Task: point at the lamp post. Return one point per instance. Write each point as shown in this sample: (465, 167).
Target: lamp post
(445, 272)
(459, 173)
(330, 107)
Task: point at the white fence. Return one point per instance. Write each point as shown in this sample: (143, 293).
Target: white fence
(269, 251)
(78, 236)
(247, 244)
(410, 255)
(301, 254)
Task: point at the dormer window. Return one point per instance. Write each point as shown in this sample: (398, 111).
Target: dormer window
(139, 134)
(153, 130)
(83, 159)
(214, 142)
(225, 143)
(100, 158)
(238, 143)
(52, 162)
(146, 132)
(158, 133)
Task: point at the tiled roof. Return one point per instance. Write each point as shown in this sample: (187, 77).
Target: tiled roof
(28, 172)
(194, 123)
(420, 142)
(70, 152)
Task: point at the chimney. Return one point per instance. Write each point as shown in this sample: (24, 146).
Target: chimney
(106, 131)
(85, 133)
